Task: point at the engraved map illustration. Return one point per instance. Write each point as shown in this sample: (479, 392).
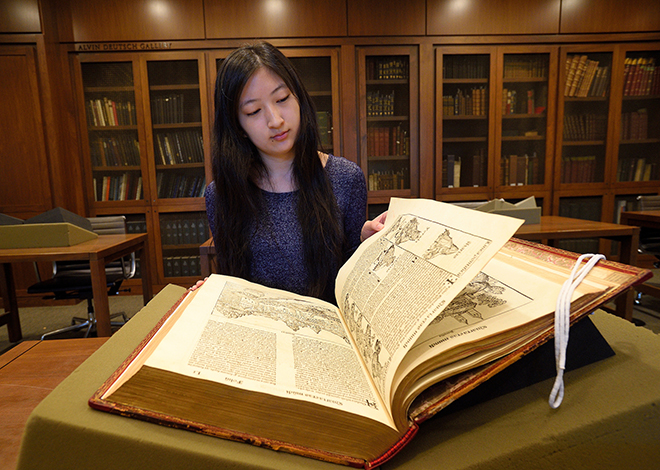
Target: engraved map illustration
(237, 302)
(380, 295)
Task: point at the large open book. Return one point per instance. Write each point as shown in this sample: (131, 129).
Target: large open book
(437, 302)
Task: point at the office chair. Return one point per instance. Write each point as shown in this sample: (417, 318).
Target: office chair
(72, 279)
(649, 238)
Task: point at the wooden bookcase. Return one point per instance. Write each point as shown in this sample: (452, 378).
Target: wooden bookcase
(525, 114)
(636, 154)
(608, 139)
(465, 123)
(144, 148)
(388, 81)
(146, 153)
(495, 114)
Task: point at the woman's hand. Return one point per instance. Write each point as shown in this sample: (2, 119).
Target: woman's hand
(197, 285)
(372, 226)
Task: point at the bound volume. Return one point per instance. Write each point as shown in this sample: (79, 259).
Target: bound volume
(436, 303)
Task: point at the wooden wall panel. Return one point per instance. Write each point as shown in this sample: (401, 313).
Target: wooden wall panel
(482, 17)
(19, 16)
(386, 18)
(24, 181)
(275, 18)
(137, 20)
(609, 16)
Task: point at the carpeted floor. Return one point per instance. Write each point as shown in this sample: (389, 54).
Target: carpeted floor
(35, 321)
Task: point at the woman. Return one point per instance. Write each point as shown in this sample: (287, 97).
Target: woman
(282, 214)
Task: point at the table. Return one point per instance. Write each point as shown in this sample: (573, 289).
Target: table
(650, 219)
(28, 373)
(603, 422)
(551, 228)
(645, 219)
(98, 252)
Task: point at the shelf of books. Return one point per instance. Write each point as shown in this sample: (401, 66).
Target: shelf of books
(463, 145)
(388, 121)
(638, 156)
(181, 234)
(176, 128)
(112, 131)
(585, 107)
(524, 134)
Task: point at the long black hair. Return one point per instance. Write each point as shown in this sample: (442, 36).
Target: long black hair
(237, 162)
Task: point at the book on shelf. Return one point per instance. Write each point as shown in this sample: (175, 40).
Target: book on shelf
(119, 150)
(177, 185)
(636, 169)
(519, 170)
(584, 86)
(579, 169)
(601, 82)
(179, 147)
(387, 68)
(641, 76)
(102, 112)
(387, 141)
(634, 125)
(572, 62)
(585, 77)
(122, 187)
(465, 103)
(168, 109)
(526, 67)
(583, 127)
(386, 180)
(436, 303)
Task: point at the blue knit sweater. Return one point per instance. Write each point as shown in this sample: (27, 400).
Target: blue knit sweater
(277, 245)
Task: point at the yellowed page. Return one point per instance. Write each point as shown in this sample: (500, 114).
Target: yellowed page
(400, 279)
(512, 290)
(254, 338)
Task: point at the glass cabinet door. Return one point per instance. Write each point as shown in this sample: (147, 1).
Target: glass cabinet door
(639, 141)
(181, 234)
(176, 123)
(316, 74)
(318, 70)
(464, 146)
(586, 103)
(112, 131)
(524, 119)
(388, 121)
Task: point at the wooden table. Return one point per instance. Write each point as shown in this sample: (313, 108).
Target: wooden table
(650, 219)
(645, 219)
(98, 252)
(550, 229)
(28, 373)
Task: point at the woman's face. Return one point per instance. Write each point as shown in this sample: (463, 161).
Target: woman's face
(269, 114)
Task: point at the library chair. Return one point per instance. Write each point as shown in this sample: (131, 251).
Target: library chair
(649, 238)
(72, 279)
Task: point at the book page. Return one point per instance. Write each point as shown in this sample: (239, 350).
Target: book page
(254, 338)
(482, 322)
(400, 279)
